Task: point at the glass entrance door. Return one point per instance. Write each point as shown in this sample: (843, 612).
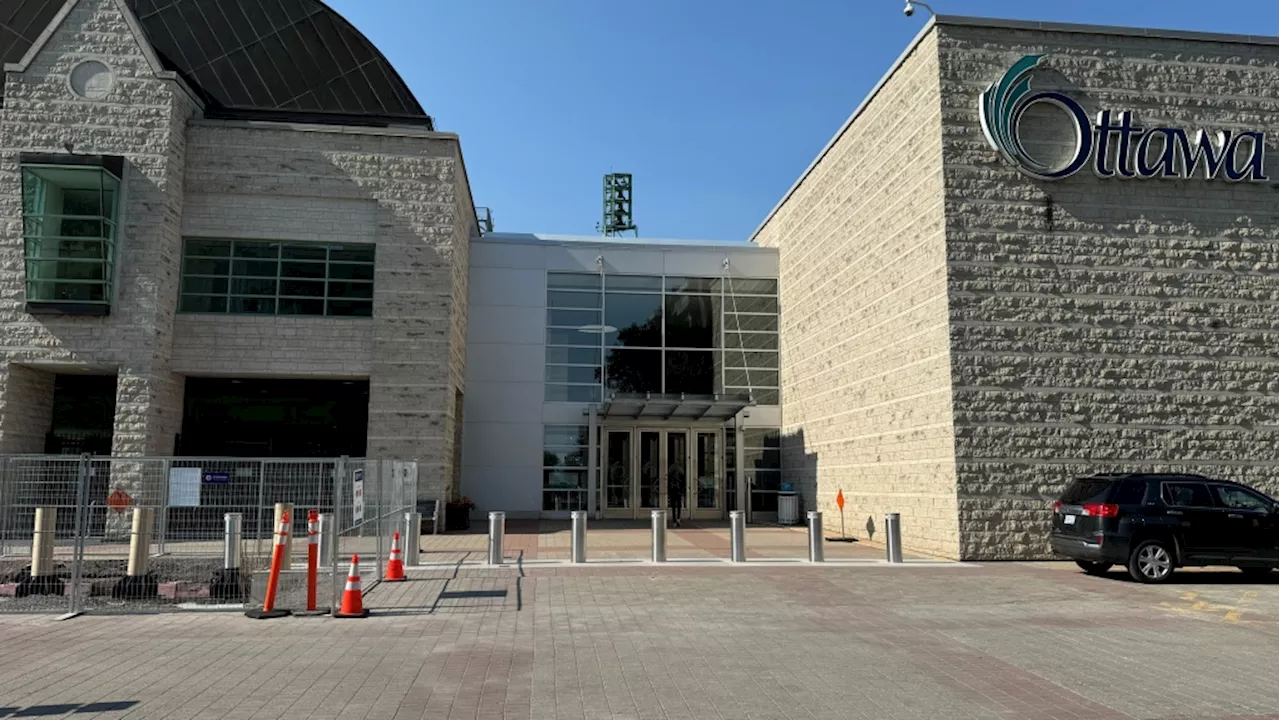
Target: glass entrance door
(618, 485)
(649, 457)
(676, 478)
(639, 467)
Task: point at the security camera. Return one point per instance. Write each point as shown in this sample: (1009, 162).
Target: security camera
(910, 8)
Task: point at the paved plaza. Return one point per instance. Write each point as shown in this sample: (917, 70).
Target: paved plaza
(621, 638)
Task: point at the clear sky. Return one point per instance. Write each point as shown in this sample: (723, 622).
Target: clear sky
(715, 106)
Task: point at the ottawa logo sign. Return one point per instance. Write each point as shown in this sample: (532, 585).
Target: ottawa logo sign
(1113, 144)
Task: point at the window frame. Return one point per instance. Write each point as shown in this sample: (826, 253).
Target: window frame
(1165, 500)
(233, 279)
(1267, 504)
(740, 365)
(108, 172)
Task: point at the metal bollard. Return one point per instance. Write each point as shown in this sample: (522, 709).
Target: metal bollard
(579, 549)
(737, 536)
(328, 536)
(815, 535)
(893, 537)
(497, 529)
(140, 541)
(412, 537)
(228, 584)
(233, 524)
(42, 541)
(659, 520)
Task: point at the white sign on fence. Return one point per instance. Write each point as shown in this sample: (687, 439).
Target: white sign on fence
(357, 497)
(184, 487)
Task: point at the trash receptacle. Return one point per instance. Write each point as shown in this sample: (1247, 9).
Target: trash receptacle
(788, 506)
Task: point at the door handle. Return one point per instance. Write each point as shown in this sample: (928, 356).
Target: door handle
(1174, 512)
(1235, 516)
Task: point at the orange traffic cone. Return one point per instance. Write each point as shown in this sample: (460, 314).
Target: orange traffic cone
(395, 564)
(352, 595)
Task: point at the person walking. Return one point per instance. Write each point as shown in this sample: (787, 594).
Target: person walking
(675, 491)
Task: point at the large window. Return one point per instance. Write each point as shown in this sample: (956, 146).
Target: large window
(573, 338)
(647, 334)
(564, 467)
(69, 235)
(274, 278)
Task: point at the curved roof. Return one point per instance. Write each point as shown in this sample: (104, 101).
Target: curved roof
(268, 59)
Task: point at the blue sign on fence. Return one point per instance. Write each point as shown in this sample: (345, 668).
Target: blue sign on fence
(217, 477)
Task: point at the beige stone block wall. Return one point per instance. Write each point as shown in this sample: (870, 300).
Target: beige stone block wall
(26, 408)
(1105, 324)
(400, 189)
(246, 345)
(866, 387)
(143, 118)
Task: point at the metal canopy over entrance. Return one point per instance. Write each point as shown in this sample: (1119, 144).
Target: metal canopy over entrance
(657, 406)
(646, 444)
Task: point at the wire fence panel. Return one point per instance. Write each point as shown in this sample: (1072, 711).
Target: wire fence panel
(370, 508)
(114, 534)
(36, 563)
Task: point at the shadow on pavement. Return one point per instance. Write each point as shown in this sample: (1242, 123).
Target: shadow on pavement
(63, 709)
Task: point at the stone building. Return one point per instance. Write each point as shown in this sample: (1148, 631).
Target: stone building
(203, 202)
(982, 301)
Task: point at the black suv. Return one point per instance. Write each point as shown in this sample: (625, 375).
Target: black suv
(1153, 523)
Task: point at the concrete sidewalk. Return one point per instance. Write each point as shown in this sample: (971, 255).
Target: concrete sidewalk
(913, 642)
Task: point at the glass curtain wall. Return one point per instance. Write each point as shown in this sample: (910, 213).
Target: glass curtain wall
(649, 334)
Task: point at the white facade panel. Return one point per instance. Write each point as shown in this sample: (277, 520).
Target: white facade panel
(509, 324)
(506, 255)
(502, 467)
(505, 362)
(525, 287)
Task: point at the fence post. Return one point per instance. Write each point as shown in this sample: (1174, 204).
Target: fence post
(262, 500)
(339, 487)
(327, 530)
(75, 606)
(6, 484)
(163, 527)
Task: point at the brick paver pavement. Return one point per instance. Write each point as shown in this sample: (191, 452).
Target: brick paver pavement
(1035, 640)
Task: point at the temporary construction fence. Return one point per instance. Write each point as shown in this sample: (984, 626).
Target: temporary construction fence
(128, 534)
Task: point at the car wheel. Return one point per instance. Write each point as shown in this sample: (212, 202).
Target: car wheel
(1094, 568)
(1151, 562)
(1255, 571)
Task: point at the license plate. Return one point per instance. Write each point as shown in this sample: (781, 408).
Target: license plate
(1068, 519)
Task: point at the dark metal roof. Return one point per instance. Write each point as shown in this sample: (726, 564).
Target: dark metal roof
(254, 59)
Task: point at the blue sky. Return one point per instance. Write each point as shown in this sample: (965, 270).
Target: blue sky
(715, 106)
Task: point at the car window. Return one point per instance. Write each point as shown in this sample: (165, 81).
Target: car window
(1082, 489)
(1239, 498)
(1131, 492)
(1187, 494)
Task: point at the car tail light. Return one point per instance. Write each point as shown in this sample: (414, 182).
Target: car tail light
(1101, 509)
(1057, 506)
